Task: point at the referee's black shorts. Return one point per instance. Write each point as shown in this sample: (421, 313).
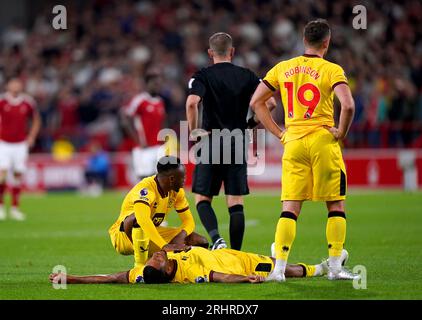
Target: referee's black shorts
(208, 178)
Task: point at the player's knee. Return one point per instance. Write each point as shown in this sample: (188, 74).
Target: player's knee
(335, 205)
(200, 198)
(234, 201)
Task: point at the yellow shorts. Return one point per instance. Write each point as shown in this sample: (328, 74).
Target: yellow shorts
(251, 263)
(313, 168)
(124, 246)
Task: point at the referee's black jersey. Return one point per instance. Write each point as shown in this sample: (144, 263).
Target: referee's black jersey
(226, 90)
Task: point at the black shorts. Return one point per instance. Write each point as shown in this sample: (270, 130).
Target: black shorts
(207, 179)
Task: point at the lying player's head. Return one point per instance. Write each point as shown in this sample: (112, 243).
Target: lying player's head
(172, 172)
(14, 86)
(221, 45)
(317, 34)
(158, 269)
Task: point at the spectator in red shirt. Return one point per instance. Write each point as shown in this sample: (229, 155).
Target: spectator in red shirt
(16, 109)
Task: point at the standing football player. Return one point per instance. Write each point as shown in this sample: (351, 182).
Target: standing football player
(143, 118)
(312, 165)
(225, 91)
(16, 110)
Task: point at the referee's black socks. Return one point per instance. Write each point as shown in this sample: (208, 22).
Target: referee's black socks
(208, 219)
(237, 226)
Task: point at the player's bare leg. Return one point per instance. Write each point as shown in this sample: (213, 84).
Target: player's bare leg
(120, 277)
(3, 175)
(15, 212)
(284, 237)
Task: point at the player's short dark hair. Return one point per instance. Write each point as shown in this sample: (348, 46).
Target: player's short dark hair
(151, 74)
(316, 32)
(153, 275)
(167, 164)
(221, 43)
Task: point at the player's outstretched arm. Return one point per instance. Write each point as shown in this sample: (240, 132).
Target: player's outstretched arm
(235, 278)
(343, 93)
(120, 277)
(258, 105)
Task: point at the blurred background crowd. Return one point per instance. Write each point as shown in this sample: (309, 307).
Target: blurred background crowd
(81, 77)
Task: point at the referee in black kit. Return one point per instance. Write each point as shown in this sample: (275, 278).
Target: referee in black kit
(225, 91)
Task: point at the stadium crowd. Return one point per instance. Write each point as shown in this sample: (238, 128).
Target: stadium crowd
(81, 77)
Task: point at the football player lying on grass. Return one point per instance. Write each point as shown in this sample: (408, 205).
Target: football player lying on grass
(200, 265)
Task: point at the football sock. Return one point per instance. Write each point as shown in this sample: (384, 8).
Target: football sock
(2, 190)
(311, 271)
(237, 226)
(336, 235)
(16, 192)
(140, 246)
(284, 237)
(208, 219)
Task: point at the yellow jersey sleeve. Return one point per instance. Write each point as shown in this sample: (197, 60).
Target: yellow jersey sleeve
(143, 217)
(181, 204)
(188, 223)
(194, 273)
(337, 75)
(145, 195)
(271, 78)
(182, 207)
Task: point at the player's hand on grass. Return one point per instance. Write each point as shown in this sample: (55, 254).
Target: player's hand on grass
(56, 277)
(52, 276)
(256, 279)
(176, 247)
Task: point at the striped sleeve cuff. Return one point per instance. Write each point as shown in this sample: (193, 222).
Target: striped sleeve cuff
(182, 210)
(269, 85)
(142, 201)
(337, 83)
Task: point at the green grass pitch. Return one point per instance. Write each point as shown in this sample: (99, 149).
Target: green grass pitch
(384, 235)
